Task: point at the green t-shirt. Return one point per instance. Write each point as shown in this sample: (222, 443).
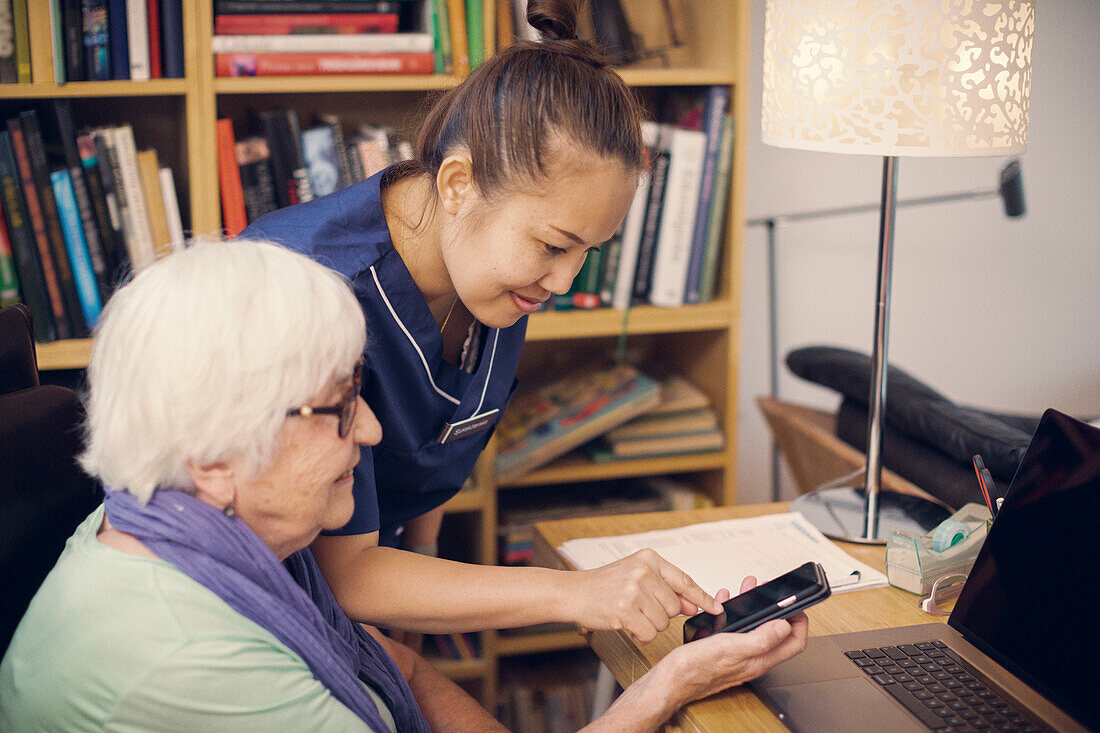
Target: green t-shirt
(116, 642)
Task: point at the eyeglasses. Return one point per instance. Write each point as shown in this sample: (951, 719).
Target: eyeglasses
(345, 409)
(943, 590)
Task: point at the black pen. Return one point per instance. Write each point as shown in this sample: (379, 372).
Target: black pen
(985, 481)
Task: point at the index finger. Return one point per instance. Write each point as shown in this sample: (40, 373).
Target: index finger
(686, 588)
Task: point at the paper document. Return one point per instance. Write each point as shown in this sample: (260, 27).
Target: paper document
(719, 554)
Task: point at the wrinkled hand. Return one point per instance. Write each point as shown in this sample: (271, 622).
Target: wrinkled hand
(638, 594)
(706, 666)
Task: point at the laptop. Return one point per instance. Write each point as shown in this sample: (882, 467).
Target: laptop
(1021, 648)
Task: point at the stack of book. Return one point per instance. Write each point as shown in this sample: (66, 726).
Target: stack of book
(683, 422)
(668, 249)
(547, 693)
(279, 164)
(79, 209)
(101, 40)
(325, 37)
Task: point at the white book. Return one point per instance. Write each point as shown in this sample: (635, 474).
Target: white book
(326, 43)
(633, 226)
(142, 249)
(171, 208)
(687, 151)
(137, 35)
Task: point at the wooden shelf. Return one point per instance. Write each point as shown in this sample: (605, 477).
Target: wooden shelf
(467, 501)
(554, 326)
(84, 89)
(678, 77)
(461, 669)
(69, 354)
(514, 645)
(577, 467)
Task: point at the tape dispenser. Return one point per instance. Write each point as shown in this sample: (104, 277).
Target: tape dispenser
(915, 562)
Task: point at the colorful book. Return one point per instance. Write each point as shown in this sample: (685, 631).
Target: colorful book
(334, 124)
(716, 222)
(714, 113)
(259, 7)
(28, 268)
(441, 33)
(234, 217)
(9, 281)
(321, 64)
(322, 159)
(586, 286)
(551, 421)
(81, 262)
(97, 51)
(326, 43)
(57, 41)
(268, 24)
(687, 150)
(460, 49)
(475, 32)
(97, 165)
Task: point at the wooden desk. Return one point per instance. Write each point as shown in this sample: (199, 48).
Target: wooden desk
(842, 612)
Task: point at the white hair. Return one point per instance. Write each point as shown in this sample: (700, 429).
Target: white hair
(199, 357)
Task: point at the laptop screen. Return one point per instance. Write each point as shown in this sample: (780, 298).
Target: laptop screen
(1030, 600)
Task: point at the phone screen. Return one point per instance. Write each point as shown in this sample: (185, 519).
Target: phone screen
(748, 610)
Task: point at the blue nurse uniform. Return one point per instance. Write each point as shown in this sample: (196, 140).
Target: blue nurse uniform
(436, 417)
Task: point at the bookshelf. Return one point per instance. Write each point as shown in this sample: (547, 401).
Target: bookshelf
(178, 117)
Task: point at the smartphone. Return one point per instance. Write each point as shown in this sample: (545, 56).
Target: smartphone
(778, 598)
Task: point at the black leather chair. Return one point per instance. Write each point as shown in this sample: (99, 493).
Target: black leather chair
(44, 494)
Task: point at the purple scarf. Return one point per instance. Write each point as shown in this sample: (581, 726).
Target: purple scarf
(224, 555)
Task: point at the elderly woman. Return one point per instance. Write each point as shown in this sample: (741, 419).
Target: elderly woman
(225, 422)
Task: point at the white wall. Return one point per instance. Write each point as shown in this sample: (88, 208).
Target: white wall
(993, 312)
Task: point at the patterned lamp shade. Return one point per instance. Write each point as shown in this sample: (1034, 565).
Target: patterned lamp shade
(898, 77)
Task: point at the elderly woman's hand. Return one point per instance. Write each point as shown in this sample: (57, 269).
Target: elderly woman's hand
(638, 594)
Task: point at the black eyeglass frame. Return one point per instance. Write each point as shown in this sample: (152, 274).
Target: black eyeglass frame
(345, 409)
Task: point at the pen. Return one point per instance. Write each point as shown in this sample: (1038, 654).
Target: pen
(985, 481)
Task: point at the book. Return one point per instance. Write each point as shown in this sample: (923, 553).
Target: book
(714, 113)
(277, 25)
(656, 425)
(647, 243)
(22, 41)
(475, 32)
(40, 172)
(259, 7)
(9, 73)
(716, 222)
(288, 165)
(657, 446)
(118, 35)
(97, 164)
(679, 394)
(333, 122)
(322, 159)
(152, 13)
(149, 171)
(97, 56)
(325, 43)
(634, 223)
(171, 208)
(72, 26)
(137, 39)
(171, 29)
(441, 35)
(57, 41)
(9, 281)
(609, 268)
(586, 286)
(257, 183)
(66, 133)
(136, 210)
(687, 149)
(81, 262)
(234, 217)
(460, 49)
(28, 268)
(544, 424)
(321, 64)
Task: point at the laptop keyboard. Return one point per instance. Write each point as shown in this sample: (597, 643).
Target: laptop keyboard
(940, 688)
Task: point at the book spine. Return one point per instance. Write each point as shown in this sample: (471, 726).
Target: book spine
(22, 41)
(670, 264)
(171, 27)
(38, 229)
(715, 111)
(118, 35)
(303, 189)
(319, 149)
(152, 13)
(475, 32)
(612, 251)
(441, 34)
(9, 281)
(67, 132)
(716, 222)
(333, 123)
(32, 282)
(586, 286)
(8, 72)
(136, 210)
(97, 56)
(634, 223)
(302, 7)
(325, 43)
(36, 153)
(83, 274)
(234, 219)
(321, 64)
(137, 38)
(257, 184)
(104, 206)
(72, 24)
(460, 49)
(149, 171)
(643, 271)
(279, 25)
(171, 208)
(57, 41)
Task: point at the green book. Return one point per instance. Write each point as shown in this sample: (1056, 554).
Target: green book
(441, 28)
(22, 41)
(9, 284)
(716, 223)
(475, 32)
(586, 286)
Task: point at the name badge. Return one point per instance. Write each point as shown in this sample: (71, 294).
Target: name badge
(462, 428)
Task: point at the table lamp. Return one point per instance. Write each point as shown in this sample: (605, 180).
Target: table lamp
(892, 78)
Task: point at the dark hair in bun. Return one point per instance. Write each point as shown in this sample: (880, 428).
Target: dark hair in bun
(513, 105)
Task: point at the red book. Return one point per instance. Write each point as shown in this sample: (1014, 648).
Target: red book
(155, 71)
(229, 176)
(281, 25)
(322, 64)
